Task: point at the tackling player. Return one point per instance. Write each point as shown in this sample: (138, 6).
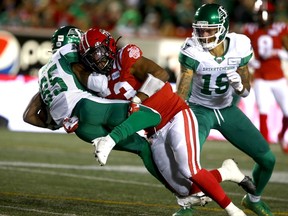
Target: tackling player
(63, 94)
(213, 66)
(174, 142)
(270, 42)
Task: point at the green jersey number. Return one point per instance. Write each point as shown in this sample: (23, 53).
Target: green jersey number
(51, 86)
(222, 84)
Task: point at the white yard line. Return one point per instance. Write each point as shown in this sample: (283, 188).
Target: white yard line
(27, 170)
(277, 177)
(34, 210)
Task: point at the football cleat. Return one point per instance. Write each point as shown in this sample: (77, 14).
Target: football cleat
(230, 171)
(184, 211)
(260, 208)
(198, 199)
(103, 147)
(248, 185)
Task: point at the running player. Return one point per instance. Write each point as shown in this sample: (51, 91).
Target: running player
(270, 43)
(213, 66)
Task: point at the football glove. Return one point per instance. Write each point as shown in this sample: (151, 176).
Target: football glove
(235, 80)
(134, 105)
(103, 147)
(70, 124)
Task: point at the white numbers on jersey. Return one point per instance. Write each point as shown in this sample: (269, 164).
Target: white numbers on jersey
(265, 45)
(124, 88)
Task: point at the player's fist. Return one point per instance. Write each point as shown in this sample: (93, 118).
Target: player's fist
(235, 80)
(134, 107)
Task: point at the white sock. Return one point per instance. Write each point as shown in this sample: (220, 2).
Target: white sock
(231, 208)
(224, 174)
(254, 198)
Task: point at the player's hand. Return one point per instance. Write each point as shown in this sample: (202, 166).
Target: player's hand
(103, 147)
(134, 107)
(235, 80)
(70, 124)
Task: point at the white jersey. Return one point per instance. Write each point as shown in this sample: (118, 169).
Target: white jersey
(60, 90)
(210, 86)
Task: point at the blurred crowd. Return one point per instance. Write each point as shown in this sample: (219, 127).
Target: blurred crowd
(169, 18)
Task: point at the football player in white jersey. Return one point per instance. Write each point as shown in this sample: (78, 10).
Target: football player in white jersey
(213, 66)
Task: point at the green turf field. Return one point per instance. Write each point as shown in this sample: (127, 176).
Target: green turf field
(56, 174)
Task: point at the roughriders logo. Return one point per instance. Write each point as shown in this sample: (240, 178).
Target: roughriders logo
(9, 53)
(134, 52)
(222, 14)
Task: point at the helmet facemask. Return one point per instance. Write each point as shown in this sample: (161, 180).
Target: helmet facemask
(211, 41)
(99, 58)
(98, 50)
(210, 31)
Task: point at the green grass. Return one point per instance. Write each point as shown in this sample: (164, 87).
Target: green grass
(56, 174)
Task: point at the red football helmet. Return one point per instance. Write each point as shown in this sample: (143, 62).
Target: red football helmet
(264, 11)
(97, 50)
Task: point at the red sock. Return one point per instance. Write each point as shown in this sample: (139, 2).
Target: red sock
(209, 185)
(263, 126)
(215, 173)
(284, 125)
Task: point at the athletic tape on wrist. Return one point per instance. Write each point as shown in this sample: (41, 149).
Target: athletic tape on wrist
(151, 85)
(136, 99)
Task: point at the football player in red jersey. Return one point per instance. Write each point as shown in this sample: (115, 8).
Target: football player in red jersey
(270, 43)
(174, 142)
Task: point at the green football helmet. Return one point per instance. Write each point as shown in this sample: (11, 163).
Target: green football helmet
(65, 35)
(211, 25)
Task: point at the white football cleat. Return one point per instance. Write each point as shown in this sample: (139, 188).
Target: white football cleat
(230, 171)
(103, 147)
(197, 199)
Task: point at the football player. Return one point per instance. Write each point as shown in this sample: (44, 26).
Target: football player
(213, 66)
(270, 43)
(174, 142)
(63, 94)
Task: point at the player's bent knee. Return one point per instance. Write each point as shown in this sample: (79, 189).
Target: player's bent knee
(268, 160)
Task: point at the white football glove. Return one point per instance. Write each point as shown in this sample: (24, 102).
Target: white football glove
(235, 80)
(103, 147)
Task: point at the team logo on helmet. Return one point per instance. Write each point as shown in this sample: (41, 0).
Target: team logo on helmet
(222, 14)
(9, 53)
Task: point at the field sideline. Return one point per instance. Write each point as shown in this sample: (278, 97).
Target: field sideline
(56, 174)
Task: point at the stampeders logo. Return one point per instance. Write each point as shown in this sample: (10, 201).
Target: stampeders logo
(134, 52)
(9, 53)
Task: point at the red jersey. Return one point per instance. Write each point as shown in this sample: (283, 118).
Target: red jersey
(123, 85)
(263, 42)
